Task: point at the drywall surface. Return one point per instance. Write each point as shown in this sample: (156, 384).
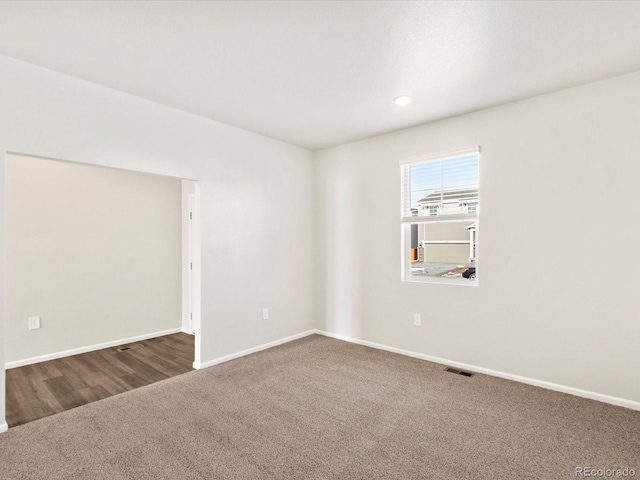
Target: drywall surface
(558, 293)
(255, 195)
(95, 252)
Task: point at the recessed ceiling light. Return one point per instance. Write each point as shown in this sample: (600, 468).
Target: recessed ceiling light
(403, 100)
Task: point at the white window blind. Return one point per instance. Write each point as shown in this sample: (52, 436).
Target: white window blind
(440, 187)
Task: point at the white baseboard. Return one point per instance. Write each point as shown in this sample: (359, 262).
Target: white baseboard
(90, 348)
(4, 427)
(249, 351)
(621, 402)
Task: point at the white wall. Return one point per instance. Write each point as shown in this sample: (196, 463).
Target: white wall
(255, 195)
(95, 252)
(558, 295)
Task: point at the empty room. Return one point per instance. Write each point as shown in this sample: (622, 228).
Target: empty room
(319, 240)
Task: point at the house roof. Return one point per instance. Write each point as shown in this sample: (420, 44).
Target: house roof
(450, 196)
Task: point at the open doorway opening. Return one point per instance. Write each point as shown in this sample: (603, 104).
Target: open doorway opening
(102, 282)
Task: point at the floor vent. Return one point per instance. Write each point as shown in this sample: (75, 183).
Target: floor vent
(459, 372)
(131, 346)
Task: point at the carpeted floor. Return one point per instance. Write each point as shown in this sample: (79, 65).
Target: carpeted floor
(319, 408)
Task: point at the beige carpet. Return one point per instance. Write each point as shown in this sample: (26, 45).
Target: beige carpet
(319, 408)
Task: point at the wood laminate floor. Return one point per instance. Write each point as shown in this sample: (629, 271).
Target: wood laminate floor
(42, 389)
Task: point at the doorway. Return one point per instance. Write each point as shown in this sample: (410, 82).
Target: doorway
(95, 263)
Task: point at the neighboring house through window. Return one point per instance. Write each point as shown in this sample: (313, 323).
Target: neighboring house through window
(440, 199)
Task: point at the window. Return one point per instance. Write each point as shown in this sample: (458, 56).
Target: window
(440, 204)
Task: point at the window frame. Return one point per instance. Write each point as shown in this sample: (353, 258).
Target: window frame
(407, 222)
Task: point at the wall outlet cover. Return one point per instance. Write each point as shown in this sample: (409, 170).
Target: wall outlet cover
(34, 323)
(417, 320)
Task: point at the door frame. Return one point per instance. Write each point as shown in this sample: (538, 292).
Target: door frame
(191, 205)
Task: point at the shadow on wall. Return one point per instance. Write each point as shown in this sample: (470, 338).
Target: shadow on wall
(344, 257)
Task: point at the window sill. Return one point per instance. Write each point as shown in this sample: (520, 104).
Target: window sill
(463, 282)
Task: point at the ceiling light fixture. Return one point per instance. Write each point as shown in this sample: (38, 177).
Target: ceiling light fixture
(402, 100)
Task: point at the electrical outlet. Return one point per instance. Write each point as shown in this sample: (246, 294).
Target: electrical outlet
(265, 313)
(34, 323)
(417, 320)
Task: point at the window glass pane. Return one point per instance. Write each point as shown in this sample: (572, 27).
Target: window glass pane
(443, 250)
(444, 187)
(442, 196)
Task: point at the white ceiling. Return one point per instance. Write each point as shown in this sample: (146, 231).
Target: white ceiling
(318, 74)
